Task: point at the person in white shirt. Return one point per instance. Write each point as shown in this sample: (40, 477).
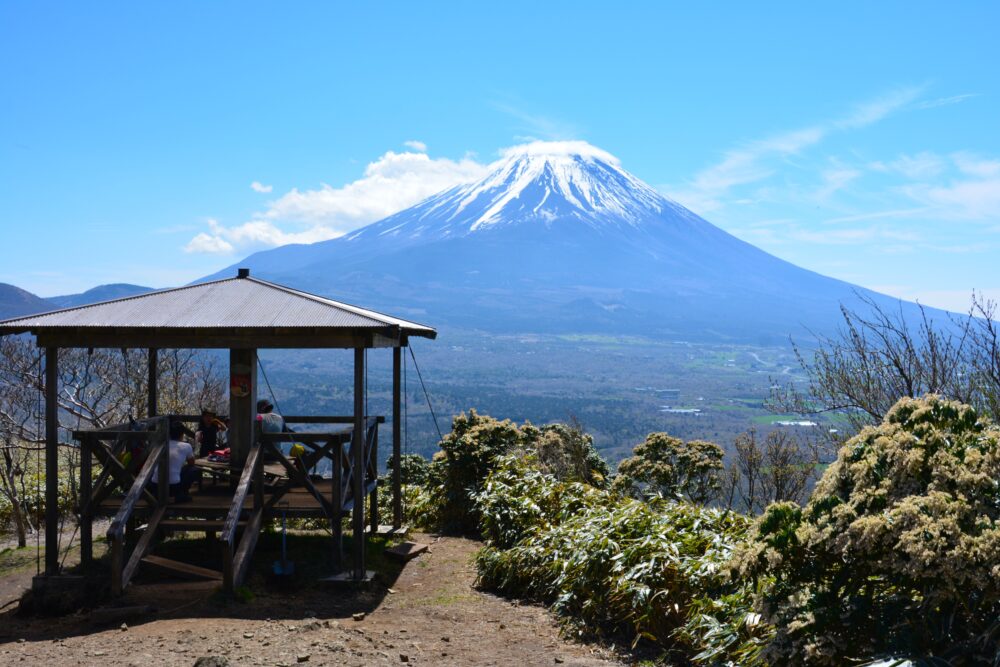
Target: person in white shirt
(182, 473)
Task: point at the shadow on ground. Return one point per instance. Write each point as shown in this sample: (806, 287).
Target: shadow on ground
(156, 596)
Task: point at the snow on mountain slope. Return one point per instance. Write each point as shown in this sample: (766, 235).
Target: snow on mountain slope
(559, 237)
(538, 182)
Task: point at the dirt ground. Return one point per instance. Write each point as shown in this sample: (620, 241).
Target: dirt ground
(428, 615)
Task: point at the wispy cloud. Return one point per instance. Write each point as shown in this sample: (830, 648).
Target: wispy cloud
(418, 146)
(758, 160)
(537, 126)
(872, 111)
(257, 186)
(391, 183)
(945, 101)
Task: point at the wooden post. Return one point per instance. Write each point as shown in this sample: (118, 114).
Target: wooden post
(358, 518)
(163, 466)
(86, 513)
(153, 363)
(51, 460)
(258, 471)
(397, 467)
(373, 496)
(337, 520)
(242, 404)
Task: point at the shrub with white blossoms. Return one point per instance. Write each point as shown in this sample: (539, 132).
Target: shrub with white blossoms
(897, 551)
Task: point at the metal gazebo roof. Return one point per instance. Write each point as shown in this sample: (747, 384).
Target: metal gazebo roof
(234, 312)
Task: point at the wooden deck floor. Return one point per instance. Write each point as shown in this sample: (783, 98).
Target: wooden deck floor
(214, 499)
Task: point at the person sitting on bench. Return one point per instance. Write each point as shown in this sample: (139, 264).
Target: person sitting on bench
(182, 472)
(207, 435)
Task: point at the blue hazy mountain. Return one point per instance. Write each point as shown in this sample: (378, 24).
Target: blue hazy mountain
(15, 302)
(97, 294)
(559, 238)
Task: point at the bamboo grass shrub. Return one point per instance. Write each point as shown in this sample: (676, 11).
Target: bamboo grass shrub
(612, 565)
(897, 551)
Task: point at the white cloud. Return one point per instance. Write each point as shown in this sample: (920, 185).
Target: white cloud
(972, 194)
(257, 186)
(212, 242)
(391, 183)
(758, 160)
(418, 146)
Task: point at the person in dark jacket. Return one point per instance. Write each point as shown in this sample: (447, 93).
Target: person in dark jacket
(207, 435)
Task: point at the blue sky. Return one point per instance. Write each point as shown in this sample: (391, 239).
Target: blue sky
(155, 143)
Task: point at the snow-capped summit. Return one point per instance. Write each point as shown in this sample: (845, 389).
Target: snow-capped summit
(558, 237)
(538, 182)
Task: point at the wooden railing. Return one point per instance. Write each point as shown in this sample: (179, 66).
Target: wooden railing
(157, 457)
(234, 564)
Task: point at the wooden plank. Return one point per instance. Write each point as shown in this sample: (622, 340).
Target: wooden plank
(241, 560)
(51, 460)
(242, 405)
(86, 514)
(152, 363)
(142, 547)
(397, 468)
(373, 470)
(358, 447)
(121, 475)
(195, 525)
(138, 489)
(336, 524)
(184, 570)
(133, 338)
(239, 497)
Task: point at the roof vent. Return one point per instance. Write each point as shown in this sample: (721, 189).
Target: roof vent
(242, 273)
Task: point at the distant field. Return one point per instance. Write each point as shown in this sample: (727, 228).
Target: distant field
(613, 385)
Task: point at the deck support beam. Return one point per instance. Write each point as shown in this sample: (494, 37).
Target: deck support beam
(52, 460)
(397, 463)
(242, 404)
(151, 382)
(359, 468)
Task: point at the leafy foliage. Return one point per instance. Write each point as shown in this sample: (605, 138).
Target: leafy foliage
(898, 549)
(470, 451)
(669, 467)
(650, 570)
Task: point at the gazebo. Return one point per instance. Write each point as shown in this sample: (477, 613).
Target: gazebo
(244, 315)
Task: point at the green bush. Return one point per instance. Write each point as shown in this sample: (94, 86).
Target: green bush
(652, 571)
(469, 454)
(669, 467)
(897, 551)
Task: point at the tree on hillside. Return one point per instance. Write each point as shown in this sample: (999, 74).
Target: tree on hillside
(760, 473)
(97, 388)
(669, 467)
(879, 357)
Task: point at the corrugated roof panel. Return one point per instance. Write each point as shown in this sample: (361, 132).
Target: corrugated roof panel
(235, 303)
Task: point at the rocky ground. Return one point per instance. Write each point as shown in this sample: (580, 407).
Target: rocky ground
(430, 614)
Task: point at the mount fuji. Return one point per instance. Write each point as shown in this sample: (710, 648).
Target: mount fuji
(559, 238)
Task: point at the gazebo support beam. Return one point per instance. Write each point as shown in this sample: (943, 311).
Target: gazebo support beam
(52, 460)
(358, 448)
(397, 463)
(153, 363)
(242, 404)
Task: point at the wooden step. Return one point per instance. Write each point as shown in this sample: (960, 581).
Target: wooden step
(195, 525)
(184, 570)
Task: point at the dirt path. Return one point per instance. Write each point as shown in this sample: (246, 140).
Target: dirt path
(430, 616)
